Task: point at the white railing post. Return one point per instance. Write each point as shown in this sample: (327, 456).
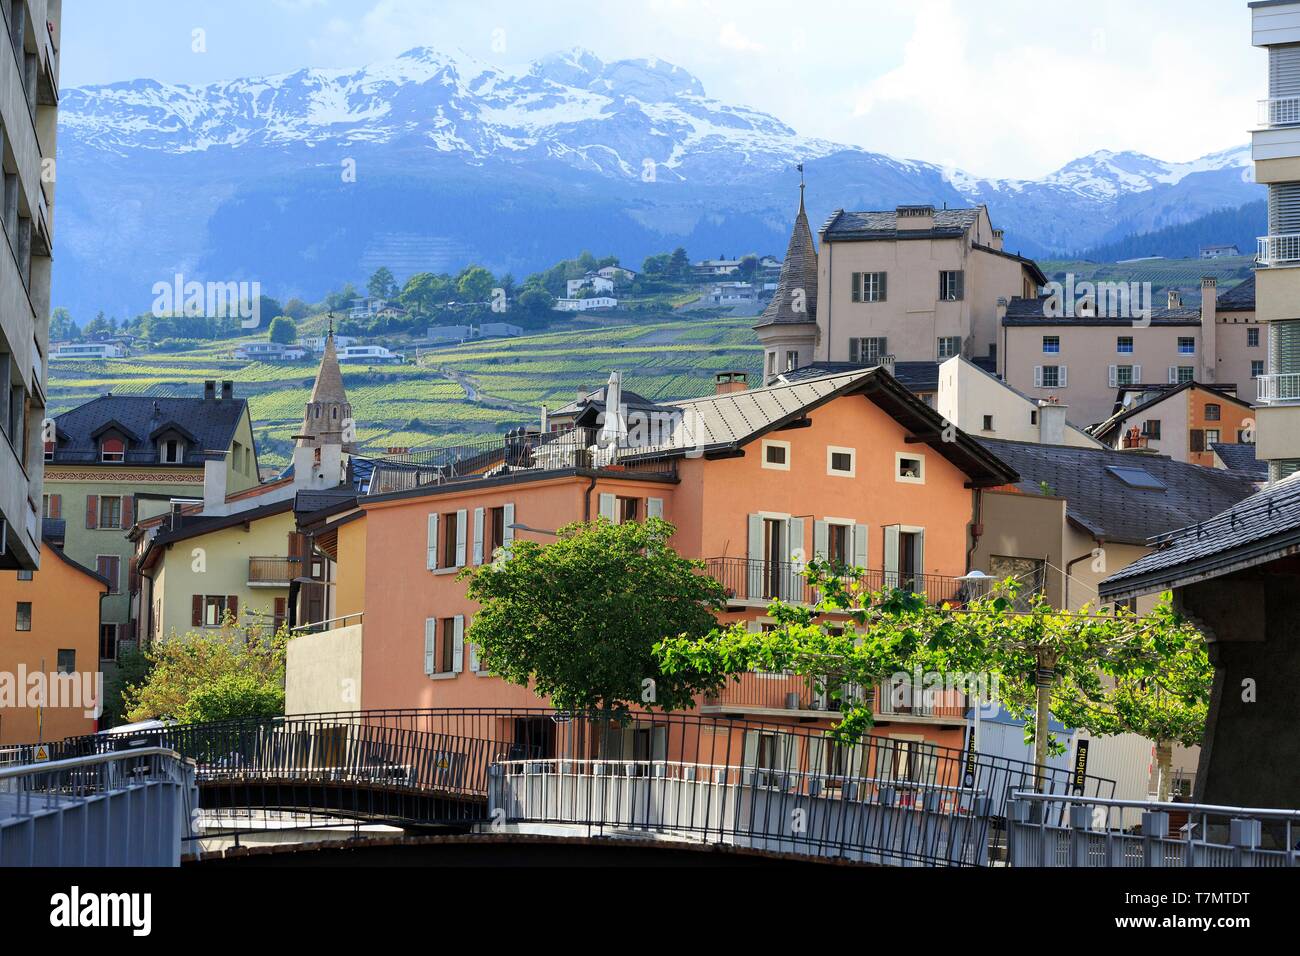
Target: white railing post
(1079, 820)
(1244, 834)
(1155, 829)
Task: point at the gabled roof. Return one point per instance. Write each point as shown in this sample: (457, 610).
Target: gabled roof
(212, 422)
(1108, 427)
(1100, 500)
(1262, 528)
(1022, 311)
(1240, 298)
(1240, 457)
(882, 225)
(917, 376)
(798, 283)
(192, 525)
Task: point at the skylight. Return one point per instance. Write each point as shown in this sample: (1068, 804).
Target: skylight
(1137, 478)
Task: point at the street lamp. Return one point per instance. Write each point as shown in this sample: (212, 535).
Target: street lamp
(524, 527)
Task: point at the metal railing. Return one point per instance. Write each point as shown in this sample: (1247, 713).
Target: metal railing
(272, 572)
(755, 581)
(517, 450)
(1279, 111)
(785, 690)
(1277, 388)
(1278, 250)
(1057, 830)
(317, 627)
(781, 787)
(144, 802)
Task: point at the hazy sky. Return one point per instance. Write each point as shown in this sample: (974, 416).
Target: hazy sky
(996, 87)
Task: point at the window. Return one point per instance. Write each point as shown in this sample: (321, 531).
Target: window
(1184, 373)
(210, 610)
(496, 530)
(448, 645)
(172, 452)
(951, 285)
(445, 540)
(791, 360)
(67, 661)
(1049, 376)
(1256, 368)
(1136, 478)
(110, 511)
(112, 450)
(108, 642)
(949, 345)
(628, 509)
(1252, 338)
(52, 506)
(776, 455)
(1151, 428)
(23, 620)
(1211, 436)
(108, 566)
(910, 468)
(988, 423)
(868, 351)
(1212, 412)
(1122, 375)
(837, 545)
(1051, 343)
(1124, 344)
(868, 287)
(443, 645)
(840, 461)
(26, 575)
(771, 364)
(1186, 345)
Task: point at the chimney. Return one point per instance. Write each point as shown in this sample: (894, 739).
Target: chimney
(1175, 300)
(214, 482)
(887, 363)
(304, 463)
(915, 217)
(1209, 328)
(227, 390)
(210, 389)
(1051, 423)
(724, 383)
(997, 240)
(330, 473)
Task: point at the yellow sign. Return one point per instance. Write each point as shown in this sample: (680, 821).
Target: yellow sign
(42, 754)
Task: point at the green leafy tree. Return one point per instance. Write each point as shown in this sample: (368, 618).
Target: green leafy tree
(382, 285)
(62, 328)
(235, 672)
(535, 301)
(475, 284)
(679, 265)
(425, 291)
(297, 309)
(283, 330)
(579, 618)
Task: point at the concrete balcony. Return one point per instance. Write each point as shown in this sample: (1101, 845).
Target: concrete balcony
(1283, 250)
(266, 572)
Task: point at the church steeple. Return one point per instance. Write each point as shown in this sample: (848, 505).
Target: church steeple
(795, 300)
(329, 415)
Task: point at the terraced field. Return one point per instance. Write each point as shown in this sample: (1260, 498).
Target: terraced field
(451, 395)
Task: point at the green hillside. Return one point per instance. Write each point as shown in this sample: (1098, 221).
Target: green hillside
(451, 394)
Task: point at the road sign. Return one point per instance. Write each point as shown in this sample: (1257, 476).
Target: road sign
(42, 754)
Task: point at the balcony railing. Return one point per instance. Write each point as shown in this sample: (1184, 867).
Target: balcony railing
(273, 572)
(1279, 111)
(1276, 389)
(756, 582)
(786, 691)
(1282, 250)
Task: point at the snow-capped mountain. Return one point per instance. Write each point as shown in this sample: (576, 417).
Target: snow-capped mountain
(433, 159)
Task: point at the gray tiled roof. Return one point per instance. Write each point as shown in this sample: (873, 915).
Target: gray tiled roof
(795, 300)
(1022, 311)
(883, 225)
(1258, 529)
(917, 376)
(1240, 457)
(1111, 509)
(1241, 297)
(206, 423)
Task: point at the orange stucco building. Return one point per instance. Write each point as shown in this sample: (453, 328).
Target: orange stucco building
(846, 466)
(49, 626)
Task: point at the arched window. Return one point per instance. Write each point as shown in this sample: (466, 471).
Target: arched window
(112, 450)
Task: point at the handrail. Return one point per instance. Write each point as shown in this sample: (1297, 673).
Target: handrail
(68, 763)
(317, 626)
(1193, 808)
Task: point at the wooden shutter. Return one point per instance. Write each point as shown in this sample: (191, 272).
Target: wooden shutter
(92, 511)
(654, 507)
(507, 521)
(196, 611)
(1137, 374)
(860, 545)
(798, 556)
(56, 506)
(232, 605)
(756, 556)
(891, 555)
(607, 507)
(1197, 436)
(128, 511)
(857, 287)
(462, 523)
(1038, 376)
(458, 644)
(478, 535)
(281, 604)
(1173, 374)
(918, 563)
(960, 284)
(821, 542)
(884, 276)
(430, 644)
(431, 544)
(1113, 376)
(1062, 379)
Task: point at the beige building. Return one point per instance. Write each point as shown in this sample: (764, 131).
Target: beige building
(29, 97)
(1081, 354)
(983, 405)
(916, 283)
(1276, 148)
(1182, 421)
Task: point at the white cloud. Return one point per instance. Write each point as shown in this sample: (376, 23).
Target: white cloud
(732, 39)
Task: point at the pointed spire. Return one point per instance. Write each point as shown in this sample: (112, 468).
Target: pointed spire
(328, 411)
(795, 300)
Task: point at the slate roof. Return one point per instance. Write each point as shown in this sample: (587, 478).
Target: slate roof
(209, 424)
(184, 526)
(1098, 501)
(917, 376)
(1240, 457)
(798, 272)
(1261, 528)
(1105, 431)
(882, 226)
(1240, 298)
(1023, 311)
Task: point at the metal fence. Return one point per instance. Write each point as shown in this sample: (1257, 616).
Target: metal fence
(1054, 830)
(757, 581)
